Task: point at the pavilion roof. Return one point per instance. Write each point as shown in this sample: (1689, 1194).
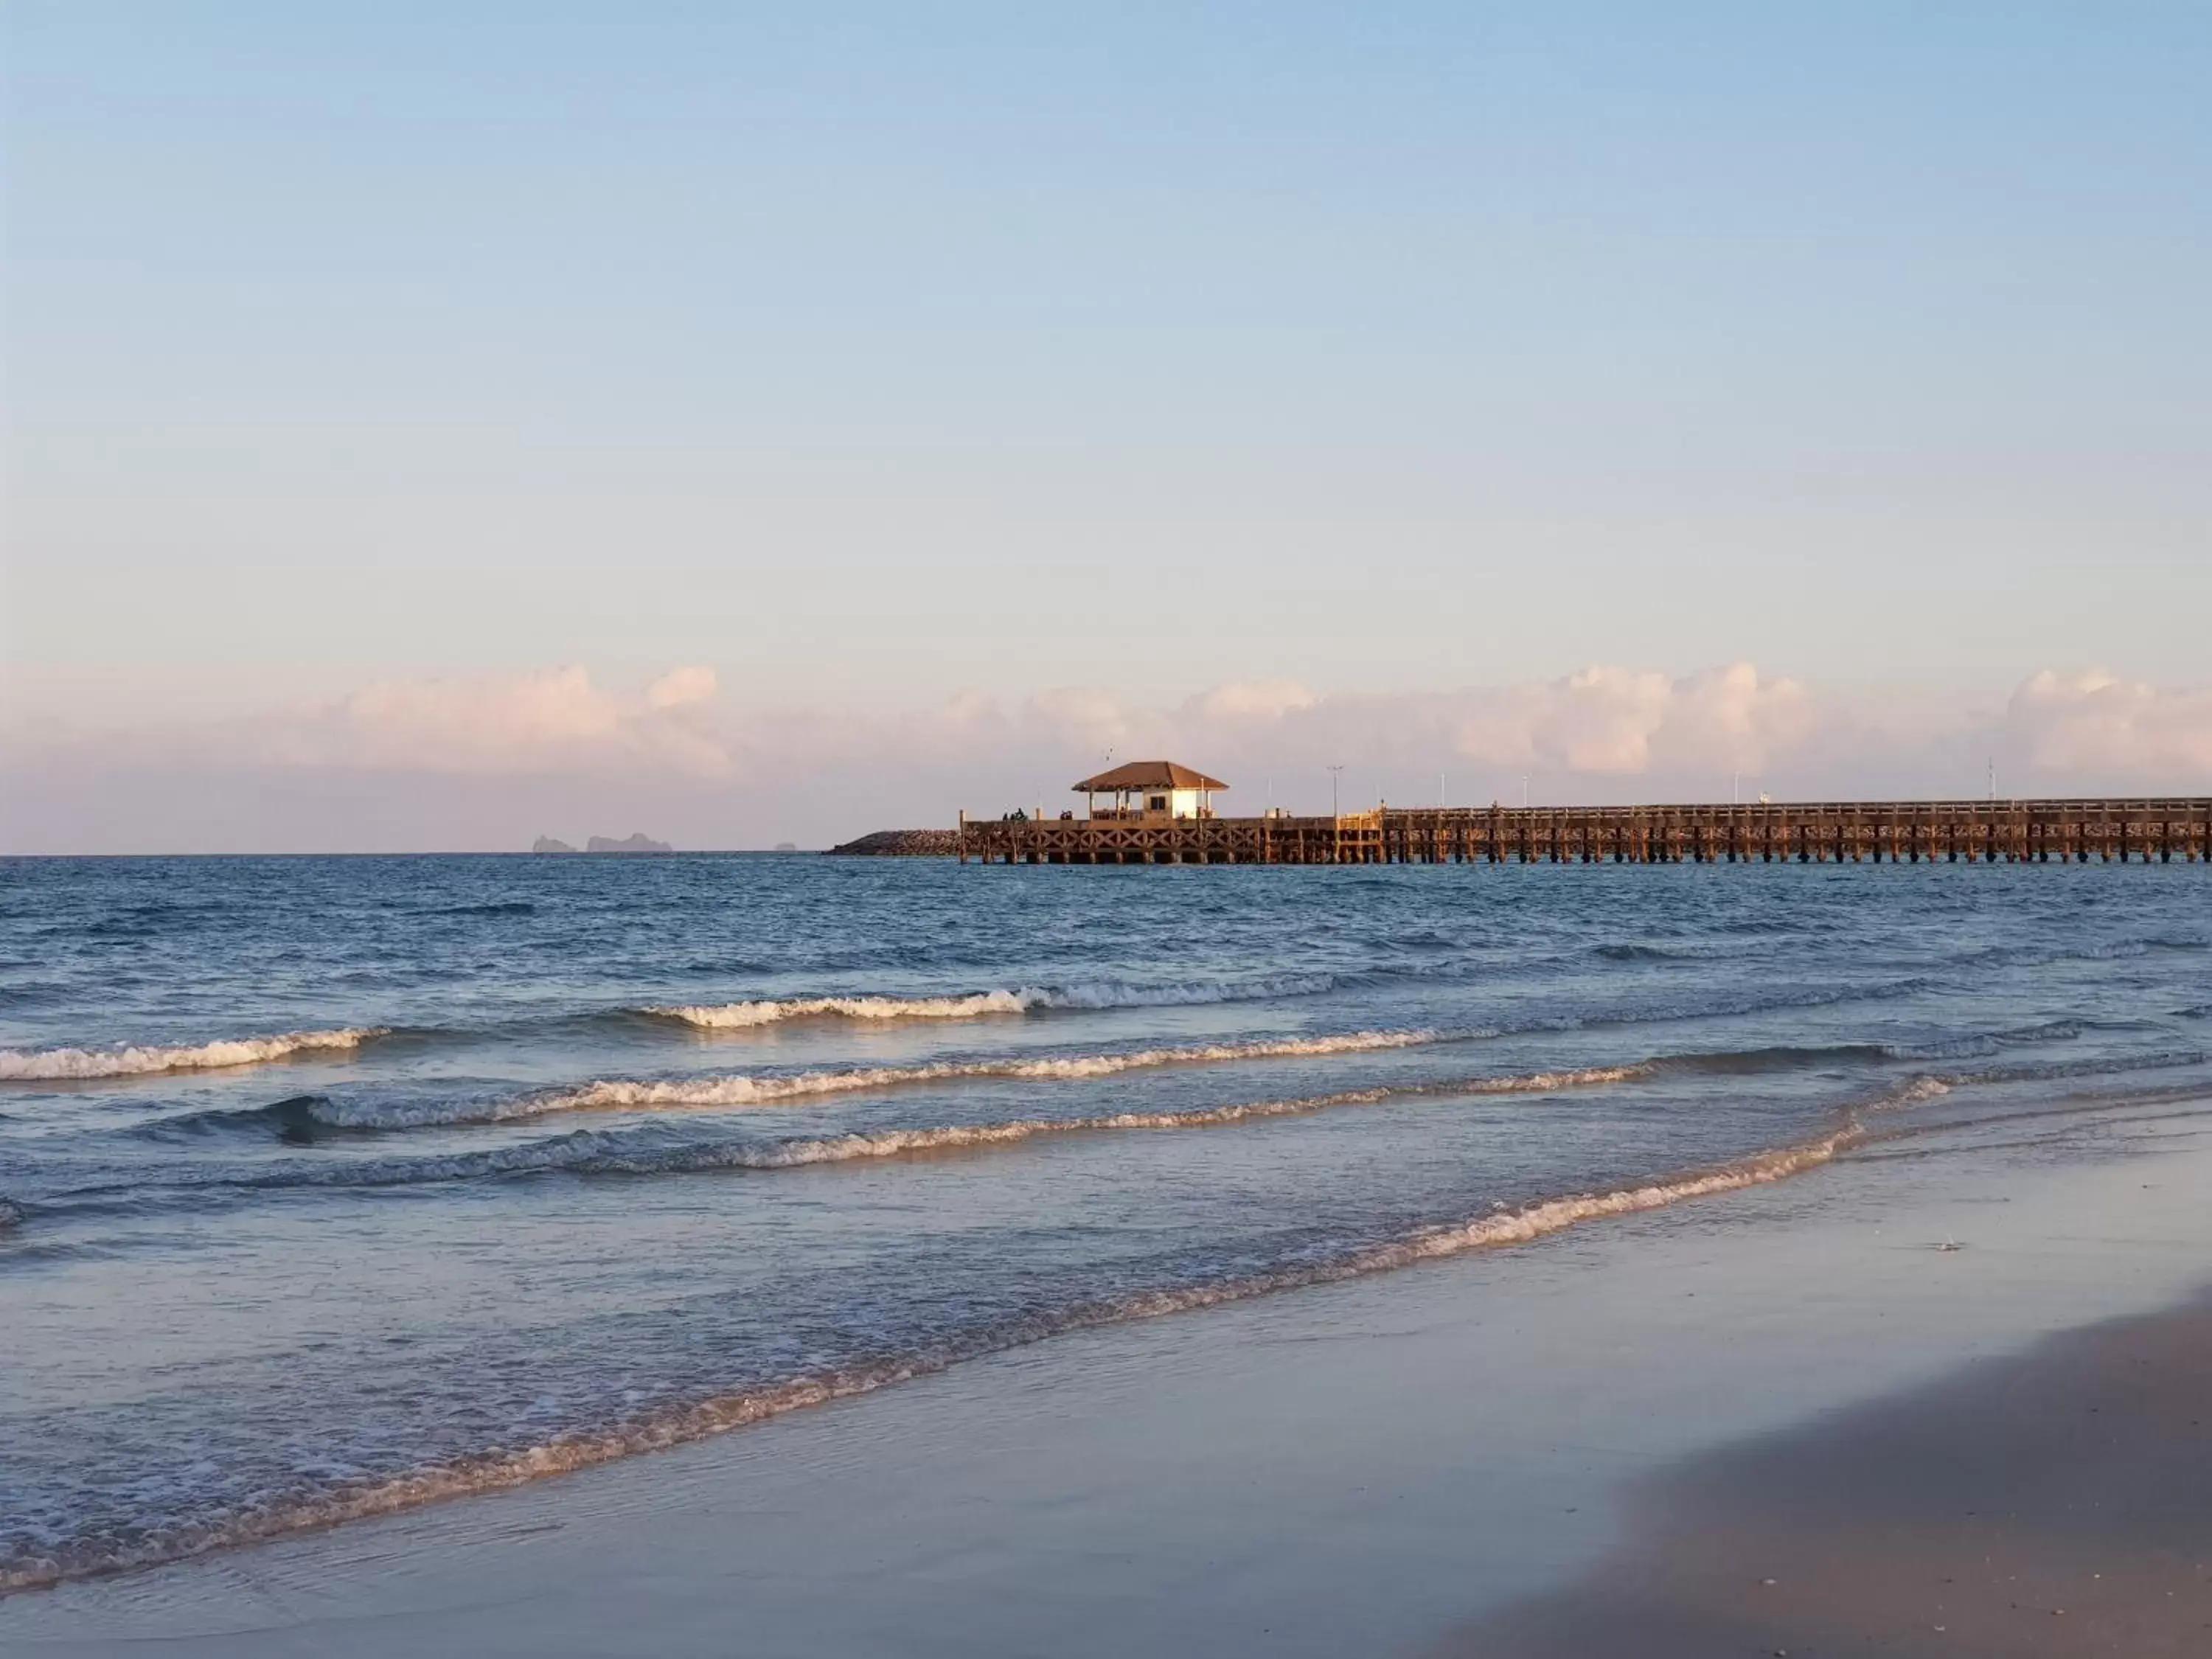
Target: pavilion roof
(1147, 774)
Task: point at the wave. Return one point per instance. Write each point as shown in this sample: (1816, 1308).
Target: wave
(892, 1143)
(1973, 1044)
(1092, 996)
(1784, 1057)
(1707, 1006)
(1929, 1085)
(11, 1215)
(123, 1061)
(1100, 994)
(563, 1454)
(297, 1120)
(1914, 1090)
(2156, 1059)
(46, 1065)
(1781, 1057)
(730, 1016)
(595, 1151)
(2036, 955)
(746, 1090)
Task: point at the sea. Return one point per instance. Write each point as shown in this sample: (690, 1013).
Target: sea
(334, 1186)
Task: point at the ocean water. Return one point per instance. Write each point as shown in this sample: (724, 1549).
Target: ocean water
(331, 1186)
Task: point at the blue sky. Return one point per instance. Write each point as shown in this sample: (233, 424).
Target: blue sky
(873, 356)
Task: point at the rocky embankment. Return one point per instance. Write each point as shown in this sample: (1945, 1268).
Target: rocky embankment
(903, 844)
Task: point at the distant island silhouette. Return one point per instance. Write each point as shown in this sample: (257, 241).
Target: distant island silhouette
(637, 843)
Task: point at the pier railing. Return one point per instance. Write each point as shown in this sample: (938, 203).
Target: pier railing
(2156, 829)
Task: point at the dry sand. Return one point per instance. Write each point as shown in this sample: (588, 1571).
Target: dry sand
(2057, 1504)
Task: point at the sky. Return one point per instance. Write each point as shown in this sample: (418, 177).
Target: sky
(427, 426)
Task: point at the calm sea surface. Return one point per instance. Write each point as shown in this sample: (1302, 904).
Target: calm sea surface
(332, 1185)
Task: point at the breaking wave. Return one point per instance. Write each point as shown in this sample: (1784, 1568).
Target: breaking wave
(892, 1143)
(1913, 1091)
(563, 1454)
(298, 1121)
(131, 1060)
(730, 1016)
(595, 1152)
(1099, 995)
(47, 1065)
(1185, 993)
(745, 1089)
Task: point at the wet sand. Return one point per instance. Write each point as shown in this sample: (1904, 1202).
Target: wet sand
(2056, 1503)
(1604, 1442)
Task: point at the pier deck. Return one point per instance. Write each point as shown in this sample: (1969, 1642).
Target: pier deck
(2106, 830)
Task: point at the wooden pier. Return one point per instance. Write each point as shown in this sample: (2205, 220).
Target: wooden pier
(2157, 831)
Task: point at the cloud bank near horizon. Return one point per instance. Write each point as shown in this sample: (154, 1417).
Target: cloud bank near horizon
(490, 760)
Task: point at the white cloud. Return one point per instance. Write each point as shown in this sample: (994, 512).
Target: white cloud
(679, 686)
(1620, 722)
(1252, 700)
(2101, 726)
(556, 721)
(490, 760)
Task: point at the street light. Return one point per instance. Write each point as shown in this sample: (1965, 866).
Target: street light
(1335, 811)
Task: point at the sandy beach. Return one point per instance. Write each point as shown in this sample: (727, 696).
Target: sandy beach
(2050, 1504)
(1604, 1442)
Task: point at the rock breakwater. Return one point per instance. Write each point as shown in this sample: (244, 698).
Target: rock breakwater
(903, 844)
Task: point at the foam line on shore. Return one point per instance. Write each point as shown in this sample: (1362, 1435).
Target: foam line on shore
(494, 1471)
(56, 1065)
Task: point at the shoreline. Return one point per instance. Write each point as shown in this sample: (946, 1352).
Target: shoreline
(1370, 1465)
(1502, 1230)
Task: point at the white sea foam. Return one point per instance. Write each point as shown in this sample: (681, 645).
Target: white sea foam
(742, 1090)
(43, 1065)
(496, 1471)
(892, 1143)
(601, 1152)
(1912, 1091)
(1096, 995)
(734, 1016)
(1182, 993)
